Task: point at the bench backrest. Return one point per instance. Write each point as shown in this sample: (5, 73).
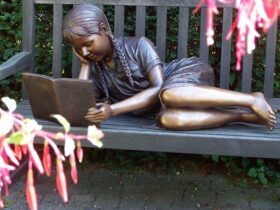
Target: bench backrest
(185, 8)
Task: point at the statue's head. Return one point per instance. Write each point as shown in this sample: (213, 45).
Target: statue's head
(87, 29)
(84, 20)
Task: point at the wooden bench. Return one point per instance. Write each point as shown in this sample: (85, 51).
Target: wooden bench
(130, 133)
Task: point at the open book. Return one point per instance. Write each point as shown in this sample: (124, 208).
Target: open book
(70, 98)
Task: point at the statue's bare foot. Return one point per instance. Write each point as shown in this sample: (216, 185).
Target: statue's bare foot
(264, 110)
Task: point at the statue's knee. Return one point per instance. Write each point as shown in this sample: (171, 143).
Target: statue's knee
(166, 96)
(177, 120)
(162, 120)
(169, 121)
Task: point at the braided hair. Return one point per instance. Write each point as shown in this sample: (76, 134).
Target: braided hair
(85, 20)
(122, 57)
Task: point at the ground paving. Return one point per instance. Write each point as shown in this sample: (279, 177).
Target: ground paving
(108, 190)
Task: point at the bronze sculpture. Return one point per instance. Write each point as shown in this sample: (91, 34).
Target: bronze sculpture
(130, 75)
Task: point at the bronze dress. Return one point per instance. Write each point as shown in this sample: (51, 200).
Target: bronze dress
(142, 57)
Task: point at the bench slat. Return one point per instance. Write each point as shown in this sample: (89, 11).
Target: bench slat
(57, 40)
(140, 21)
(175, 3)
(28, 32)
(270, 60)
(203, 48)
(76, 65)
(247, 73)
(226, 49)
(161, 31)
(119, 21)
(101, 7)
(183, 32)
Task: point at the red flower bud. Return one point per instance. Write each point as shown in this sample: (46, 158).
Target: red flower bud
(74, 173)
(30, 189)
(61, 180)
(35, 158)
(1, 202)
(47, 162)
(24, 149)
(80, 153)
(6, 176)
(6, 189)
(18, 152)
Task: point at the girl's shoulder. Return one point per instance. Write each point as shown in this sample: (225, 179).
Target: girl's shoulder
(135, 41)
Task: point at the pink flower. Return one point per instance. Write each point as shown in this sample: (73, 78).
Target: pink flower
(80, 152)
(47, 162)
(1, 202)
(252, 14)
(61, 180)
(18, 152)
(35, 158)
(74, 173)
(69, 145)
(94, 135)
(31, 195)
(6, 123)
(10, 153)
(211, 10)
(271, 9)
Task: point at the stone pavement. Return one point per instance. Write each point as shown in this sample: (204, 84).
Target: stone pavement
(104, 189)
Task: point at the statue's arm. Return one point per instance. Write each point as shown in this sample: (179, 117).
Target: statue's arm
(143, 99)
(139, 101)
(85, 66)
(85, 71)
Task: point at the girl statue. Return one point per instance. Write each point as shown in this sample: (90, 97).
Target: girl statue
(129, 74)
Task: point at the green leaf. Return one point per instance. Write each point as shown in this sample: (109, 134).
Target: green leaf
(245, 162)
(263, 168)
(252, 172)
(8, 53)
(5, 82)
(271, 173)
(243, 183)
(262, 178)
(224, 158)
(278, 175)
(16, 138)
(215, 158)
(260, 162)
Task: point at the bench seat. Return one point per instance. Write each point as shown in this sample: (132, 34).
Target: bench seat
(133, 133)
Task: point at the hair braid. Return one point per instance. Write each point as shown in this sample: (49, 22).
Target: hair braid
(100, 75)
(121, 57)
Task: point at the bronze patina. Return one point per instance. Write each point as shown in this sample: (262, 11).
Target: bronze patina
(128, 73)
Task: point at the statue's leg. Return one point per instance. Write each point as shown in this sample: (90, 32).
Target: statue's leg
(201, 96)
(193, 119)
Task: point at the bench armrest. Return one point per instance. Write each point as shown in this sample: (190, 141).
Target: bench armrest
(16, 63)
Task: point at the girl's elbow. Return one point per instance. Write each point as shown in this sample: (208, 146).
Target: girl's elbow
(158, 86)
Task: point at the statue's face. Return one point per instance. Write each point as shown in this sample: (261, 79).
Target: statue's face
(95, 47)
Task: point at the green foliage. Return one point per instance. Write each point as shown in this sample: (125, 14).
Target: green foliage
(10, 43)
(10, 28)
(262, 171)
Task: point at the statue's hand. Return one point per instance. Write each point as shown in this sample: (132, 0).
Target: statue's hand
(81, 58)
(101, 113)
